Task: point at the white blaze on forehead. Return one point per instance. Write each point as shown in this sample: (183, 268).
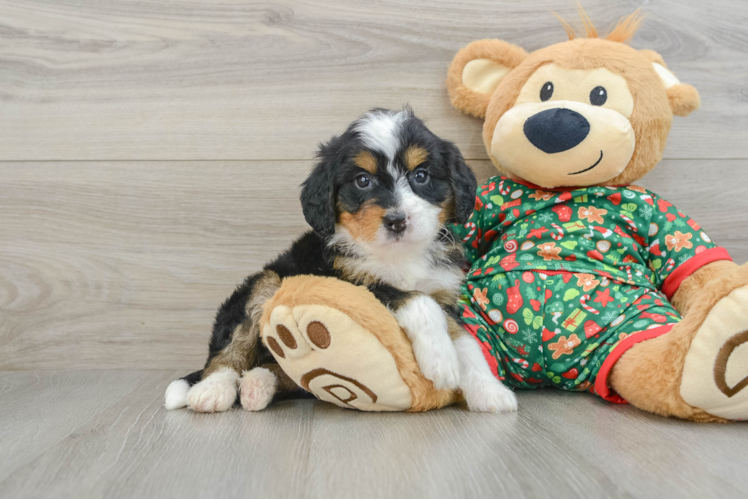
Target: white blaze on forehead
(423, 217)
(379, 131)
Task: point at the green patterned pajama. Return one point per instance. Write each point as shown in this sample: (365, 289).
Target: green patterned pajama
(562, 282)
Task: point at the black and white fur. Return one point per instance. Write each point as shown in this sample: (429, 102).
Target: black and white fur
(378, 200)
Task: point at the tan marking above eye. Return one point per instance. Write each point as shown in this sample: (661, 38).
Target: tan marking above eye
(576, 85)
(286, 336)
(366, 161)
(414, 156)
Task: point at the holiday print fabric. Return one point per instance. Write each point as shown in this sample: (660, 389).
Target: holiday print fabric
(624, 233)
(558, 279)
(543, 329)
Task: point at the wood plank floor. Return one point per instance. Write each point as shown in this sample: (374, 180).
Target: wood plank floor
(105, 433)
(150, 157)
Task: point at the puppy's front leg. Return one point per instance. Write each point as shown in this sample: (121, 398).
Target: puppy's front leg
(482, 391)
(425, 324)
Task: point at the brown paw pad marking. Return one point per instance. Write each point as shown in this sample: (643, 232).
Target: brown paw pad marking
(286, 336)
(720, 367)
(318, 334)
(275, 346)
(338, 390)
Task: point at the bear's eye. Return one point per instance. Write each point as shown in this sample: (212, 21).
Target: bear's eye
(547, 91)
(598, 96)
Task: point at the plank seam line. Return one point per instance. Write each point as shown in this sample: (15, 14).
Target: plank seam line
(146, 160)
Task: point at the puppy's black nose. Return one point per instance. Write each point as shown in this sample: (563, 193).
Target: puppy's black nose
(395, 222)
(556, 130)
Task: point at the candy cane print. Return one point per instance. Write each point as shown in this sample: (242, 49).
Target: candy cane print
(503, 190)
(628, 272)
(587, 307)
(630, 223)
(470, 225)
(670, 264)
(522, 362)
(560, 234)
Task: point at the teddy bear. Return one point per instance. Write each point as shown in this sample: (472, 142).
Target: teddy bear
(578, 279)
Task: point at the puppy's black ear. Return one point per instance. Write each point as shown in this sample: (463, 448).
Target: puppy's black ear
(463, 181)
(318, 193)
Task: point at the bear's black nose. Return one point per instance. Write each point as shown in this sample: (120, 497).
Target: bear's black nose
(557, 129)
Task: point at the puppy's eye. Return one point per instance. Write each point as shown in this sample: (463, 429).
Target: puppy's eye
(547, 91)
(421, 177)
(363, 181)
(598, 96)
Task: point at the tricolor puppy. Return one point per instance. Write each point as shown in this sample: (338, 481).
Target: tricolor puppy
(379, 201)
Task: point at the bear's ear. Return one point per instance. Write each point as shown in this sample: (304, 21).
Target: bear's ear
(477, 69)
(683, 98)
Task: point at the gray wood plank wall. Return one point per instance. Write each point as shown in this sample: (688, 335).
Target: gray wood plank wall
(151, 151)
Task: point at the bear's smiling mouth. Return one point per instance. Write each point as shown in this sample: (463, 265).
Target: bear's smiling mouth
(593, 166)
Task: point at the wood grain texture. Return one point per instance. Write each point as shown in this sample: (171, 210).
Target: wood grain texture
(219, 79)
(105, 434)
(125, 263)
(150, 158)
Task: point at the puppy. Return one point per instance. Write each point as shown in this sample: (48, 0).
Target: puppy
(379, 201)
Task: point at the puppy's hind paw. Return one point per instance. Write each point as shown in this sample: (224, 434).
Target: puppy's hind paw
(257, 388)
(176, 395)
(216, 393)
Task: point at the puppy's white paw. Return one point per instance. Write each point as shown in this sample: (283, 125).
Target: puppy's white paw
(482, 391)
(176, 395)
(425, 323)
(216, 393)
(256, 389)
(491, 397)
(439, 364)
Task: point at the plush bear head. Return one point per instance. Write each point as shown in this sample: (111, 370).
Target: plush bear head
(588, 111)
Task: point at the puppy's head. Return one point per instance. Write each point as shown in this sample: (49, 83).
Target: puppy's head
(387, 181)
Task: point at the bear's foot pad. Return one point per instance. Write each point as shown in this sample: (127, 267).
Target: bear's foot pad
(715, 373)
(339, 361)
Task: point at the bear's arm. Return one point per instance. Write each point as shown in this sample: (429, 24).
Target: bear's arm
(682, 256)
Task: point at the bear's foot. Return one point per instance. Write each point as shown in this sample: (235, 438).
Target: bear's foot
(337, 341)
(339, 361)
(715, 372)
